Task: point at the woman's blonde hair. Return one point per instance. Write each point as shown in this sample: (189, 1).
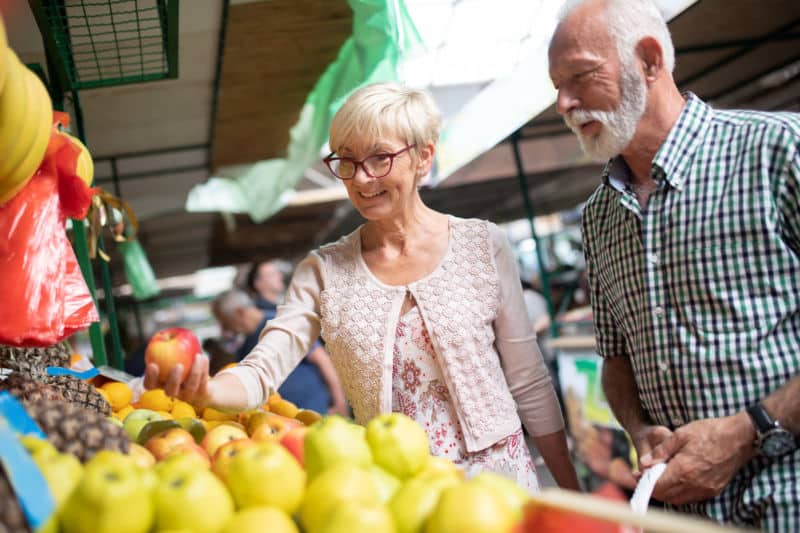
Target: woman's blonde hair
(379, 110)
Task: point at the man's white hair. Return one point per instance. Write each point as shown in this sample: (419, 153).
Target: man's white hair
(230, 301)
(629, 21)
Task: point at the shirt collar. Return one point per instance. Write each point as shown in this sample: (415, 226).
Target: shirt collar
(677, 151)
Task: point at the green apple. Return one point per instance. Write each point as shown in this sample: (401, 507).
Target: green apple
(192, 500)
(116, 421)
(358, 516)
(193, 426)
(111, 496)
(470, 508)
(341, 483)
(62, 471)
(137, 419)
(333, 440)
(151, 429)
(260, 519)
(514, 495)
(415, 500)
(387, 484)
(398, 444)
(266, 474)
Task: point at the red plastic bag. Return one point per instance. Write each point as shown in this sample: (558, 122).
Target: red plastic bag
(43, 296)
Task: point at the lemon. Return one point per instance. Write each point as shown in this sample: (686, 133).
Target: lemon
(181, 409)
(156, 400)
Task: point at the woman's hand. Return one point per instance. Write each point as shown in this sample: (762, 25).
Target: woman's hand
(339, 408)
(193, 390)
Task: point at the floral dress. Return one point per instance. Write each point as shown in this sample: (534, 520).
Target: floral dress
(419, 391)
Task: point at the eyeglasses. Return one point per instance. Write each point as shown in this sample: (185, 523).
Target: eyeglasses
(374, 166)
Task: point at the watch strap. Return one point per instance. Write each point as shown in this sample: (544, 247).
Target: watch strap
(761, 418)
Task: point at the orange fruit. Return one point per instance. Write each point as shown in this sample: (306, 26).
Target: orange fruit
(118, 394)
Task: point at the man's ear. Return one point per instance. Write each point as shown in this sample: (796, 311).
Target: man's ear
(651, 56)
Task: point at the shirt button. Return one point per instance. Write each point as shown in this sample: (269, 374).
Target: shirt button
(677, 421)
(653, 258)
(659, 311)
(664, 366)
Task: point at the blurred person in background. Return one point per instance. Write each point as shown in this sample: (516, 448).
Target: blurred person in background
(313, 384)
(265, 282)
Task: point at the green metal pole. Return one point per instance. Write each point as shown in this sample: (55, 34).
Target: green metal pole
(105, 271)
(545, 275)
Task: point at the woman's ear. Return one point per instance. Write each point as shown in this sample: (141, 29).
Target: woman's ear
(425, 160)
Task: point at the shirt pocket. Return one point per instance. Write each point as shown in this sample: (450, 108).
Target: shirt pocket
(719, 288)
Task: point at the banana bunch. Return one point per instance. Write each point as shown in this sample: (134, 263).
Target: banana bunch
(26, 116)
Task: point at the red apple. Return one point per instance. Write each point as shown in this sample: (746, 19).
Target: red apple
(220, 435)
(170, 347)
(271, 427)
(161, 444)
(294, 440)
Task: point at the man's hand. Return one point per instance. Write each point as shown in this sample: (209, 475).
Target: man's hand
(648, 437)
(701, 457)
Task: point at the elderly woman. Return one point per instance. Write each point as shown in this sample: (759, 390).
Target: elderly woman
(422, 312)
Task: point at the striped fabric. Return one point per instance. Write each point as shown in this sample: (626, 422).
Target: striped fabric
(702, 289)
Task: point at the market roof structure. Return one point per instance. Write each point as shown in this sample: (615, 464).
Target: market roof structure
(246, 67)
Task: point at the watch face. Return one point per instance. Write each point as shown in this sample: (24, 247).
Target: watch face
(778, 443)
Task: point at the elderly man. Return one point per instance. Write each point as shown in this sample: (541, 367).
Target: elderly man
(692, 243)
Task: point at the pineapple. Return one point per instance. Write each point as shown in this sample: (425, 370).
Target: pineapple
(26, 389)
(12, 520)
(80, 392)
(34, 361)
(75, 430)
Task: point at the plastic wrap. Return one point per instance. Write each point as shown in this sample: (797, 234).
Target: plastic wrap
(43, 296)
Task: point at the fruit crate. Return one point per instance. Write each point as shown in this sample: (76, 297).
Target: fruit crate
(103, 43)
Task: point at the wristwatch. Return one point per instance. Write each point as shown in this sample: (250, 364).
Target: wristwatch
(772, 440)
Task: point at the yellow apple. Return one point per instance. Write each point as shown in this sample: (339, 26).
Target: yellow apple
(358, 516)
(344, 482)
(415, 500)
(225, 454)
(398, 444)
(192, 500)
(179, 463)
(334, 440)
(259, 520)
(266, 475)
(62, 472)
(220, 435)
(514, 495)
(440, 466)
(387, 484)
(111, 496)
(470, 508)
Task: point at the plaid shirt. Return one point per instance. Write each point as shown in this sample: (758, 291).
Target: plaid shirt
(701, 290)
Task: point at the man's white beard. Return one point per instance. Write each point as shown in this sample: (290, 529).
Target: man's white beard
(617, 126)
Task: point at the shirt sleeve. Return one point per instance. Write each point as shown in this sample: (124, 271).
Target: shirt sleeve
(609, 339)
(287, 338)
(523, 365)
